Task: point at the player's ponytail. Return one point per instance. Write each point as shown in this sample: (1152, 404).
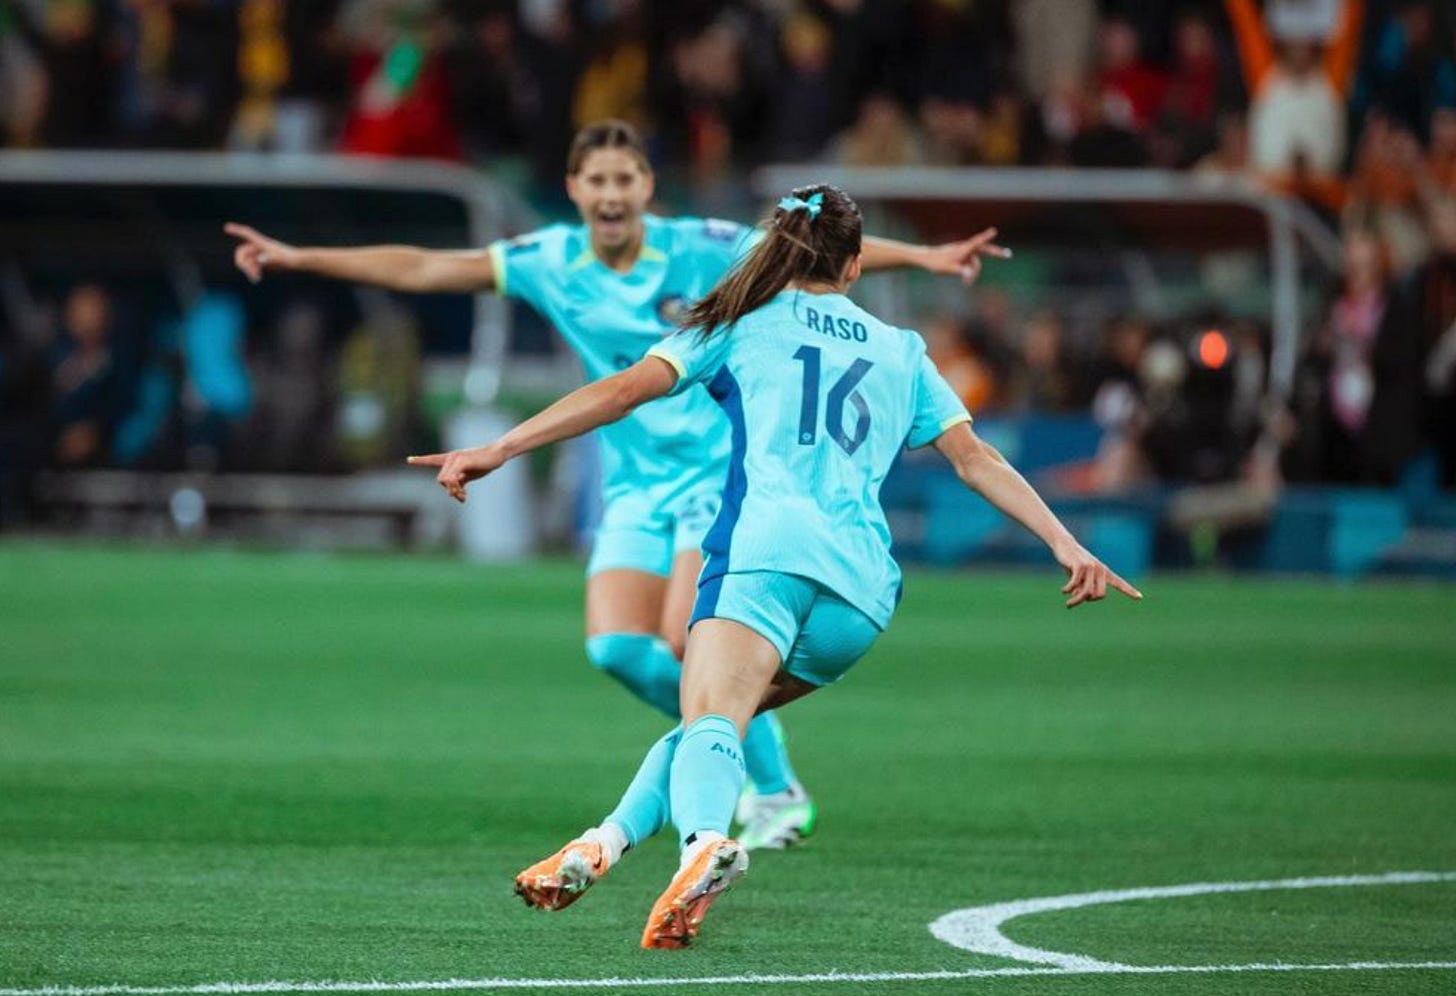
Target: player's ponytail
(811, 236)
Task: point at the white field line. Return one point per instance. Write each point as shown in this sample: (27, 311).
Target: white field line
(978, 928)
(453, 985)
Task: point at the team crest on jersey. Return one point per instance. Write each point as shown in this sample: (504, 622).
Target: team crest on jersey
(672, 309)
(722, 231)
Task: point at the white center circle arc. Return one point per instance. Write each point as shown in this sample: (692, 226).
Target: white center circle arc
(978, 928)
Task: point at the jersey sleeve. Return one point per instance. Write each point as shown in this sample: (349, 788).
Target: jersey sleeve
(723, 242)
(521, 265)
(695, 359)
(937, 407)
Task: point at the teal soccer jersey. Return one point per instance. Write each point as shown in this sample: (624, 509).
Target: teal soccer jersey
(610, 319)
(821, 397)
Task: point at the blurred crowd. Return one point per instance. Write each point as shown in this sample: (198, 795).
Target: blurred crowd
(96, 380)
(1349, 105)
(1284, 91)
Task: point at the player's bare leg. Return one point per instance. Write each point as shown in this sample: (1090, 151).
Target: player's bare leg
(623, 615)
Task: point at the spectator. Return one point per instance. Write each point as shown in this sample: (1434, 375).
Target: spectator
(801, 119)
(401, 97)
(1437, 181)
(1230, 155)
(1384, 194)
(263, 67)
(1043, 381)
(218, 393)
(22, 81)
(74, 37)
(1410, 77)
(1054, 41)
(961, 357)
(1297, 92)
(1132, 90)
(378, 376)
(1101, 142)
(88, 384)
(1002, 129)
(1119, 407)
(613, 83)
(178, 78)
(1346, 347)
(1186, 119)
(496, 78)
(149, 434)
(293, 72)
(710, 104)
(292, 418)
(882, 135)
(952, 131)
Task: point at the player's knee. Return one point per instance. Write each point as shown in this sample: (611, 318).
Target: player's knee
(621, 655)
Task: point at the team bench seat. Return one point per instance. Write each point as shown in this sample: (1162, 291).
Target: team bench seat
(369, 508)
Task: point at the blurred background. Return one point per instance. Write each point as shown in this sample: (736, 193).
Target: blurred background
(1227, 338)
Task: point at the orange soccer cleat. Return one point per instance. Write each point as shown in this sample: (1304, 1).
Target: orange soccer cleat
(558, 881)
(678, 912)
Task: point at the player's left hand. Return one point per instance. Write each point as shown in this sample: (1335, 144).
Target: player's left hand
(459, 467)
(963, 258)
(1089, 578)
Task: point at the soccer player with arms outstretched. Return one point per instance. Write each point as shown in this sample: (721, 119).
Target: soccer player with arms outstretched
(614, 286)
(798, 580)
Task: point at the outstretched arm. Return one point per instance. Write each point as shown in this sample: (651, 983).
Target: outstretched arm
(1256, 49)
(598, 403)
(400, 268)
(986, 471)
(962, 259)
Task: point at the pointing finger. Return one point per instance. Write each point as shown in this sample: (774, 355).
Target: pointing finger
(1123, 586)
(428, 460)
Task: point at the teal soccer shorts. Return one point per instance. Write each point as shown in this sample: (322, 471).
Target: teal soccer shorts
(818, 635)
(642, 532)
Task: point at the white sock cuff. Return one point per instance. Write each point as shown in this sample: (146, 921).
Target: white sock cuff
(612, 839)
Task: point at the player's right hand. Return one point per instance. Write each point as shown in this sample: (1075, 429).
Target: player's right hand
(256, 253)
(459, 467)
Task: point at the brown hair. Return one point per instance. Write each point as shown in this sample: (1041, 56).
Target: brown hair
(799, 246)
(610, 133)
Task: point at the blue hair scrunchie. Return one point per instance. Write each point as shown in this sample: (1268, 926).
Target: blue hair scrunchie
(813, 205)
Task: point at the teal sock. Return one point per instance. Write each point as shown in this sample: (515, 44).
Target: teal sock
(644, 663)
(707, 775)
(644, 807)
(766, 756)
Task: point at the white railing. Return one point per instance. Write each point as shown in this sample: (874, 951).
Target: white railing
(1289, 223)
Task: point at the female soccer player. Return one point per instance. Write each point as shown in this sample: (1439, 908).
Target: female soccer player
(614, 286)
(799, 580)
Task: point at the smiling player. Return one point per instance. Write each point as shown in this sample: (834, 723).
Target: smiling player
(799, 580)
(613, 286)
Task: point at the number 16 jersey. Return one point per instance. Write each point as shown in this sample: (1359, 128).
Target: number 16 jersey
(821, 397)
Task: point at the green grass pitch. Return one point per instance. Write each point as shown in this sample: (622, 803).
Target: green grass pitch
(244, 767)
